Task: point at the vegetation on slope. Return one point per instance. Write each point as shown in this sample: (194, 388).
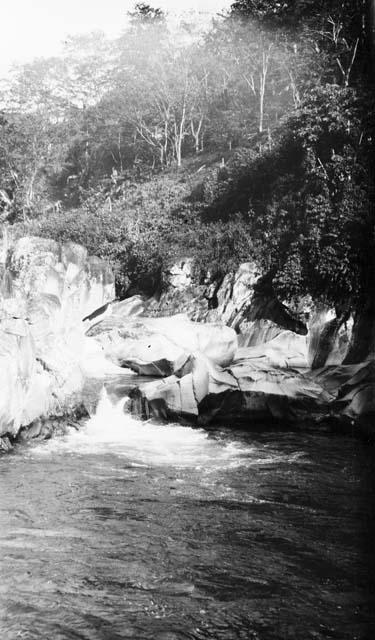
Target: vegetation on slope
(254, 141)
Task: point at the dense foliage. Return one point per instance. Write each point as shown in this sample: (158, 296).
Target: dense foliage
(252, 140)
(308, 200)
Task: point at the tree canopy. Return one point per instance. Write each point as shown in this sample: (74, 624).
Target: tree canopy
(261, 127)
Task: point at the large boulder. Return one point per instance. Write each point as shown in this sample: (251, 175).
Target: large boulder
(159, 346)
(246, 391)
(286, 349)
(114, 313)
(253, 390)
(45, 290)
(152, 355)
(353, 389)
(39, 266)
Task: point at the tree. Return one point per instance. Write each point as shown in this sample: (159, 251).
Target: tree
(144, 15)
(308, 200)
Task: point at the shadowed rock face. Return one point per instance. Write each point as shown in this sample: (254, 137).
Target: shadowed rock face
(252, 391)
(246, 302)
(362, 343)
(241, 297)
(46, 289)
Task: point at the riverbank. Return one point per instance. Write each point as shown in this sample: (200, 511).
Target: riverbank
(251, 360)
(45, 290)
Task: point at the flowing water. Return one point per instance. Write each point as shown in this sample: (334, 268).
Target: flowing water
(129, 529)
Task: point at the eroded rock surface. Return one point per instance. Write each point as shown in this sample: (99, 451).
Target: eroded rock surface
(161, 346)
(289, 364)
(250, 359)
(203, 376)
(46, 289)
(246, 302)
(251, 391)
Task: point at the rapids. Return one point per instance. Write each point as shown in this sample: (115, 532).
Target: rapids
(130, 529)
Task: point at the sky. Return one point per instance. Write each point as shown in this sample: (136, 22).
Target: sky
(33, 28)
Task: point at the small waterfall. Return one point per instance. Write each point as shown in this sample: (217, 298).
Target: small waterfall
(113, 430)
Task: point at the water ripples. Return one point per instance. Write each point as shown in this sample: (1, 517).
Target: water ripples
(113, 430)
(160, 532)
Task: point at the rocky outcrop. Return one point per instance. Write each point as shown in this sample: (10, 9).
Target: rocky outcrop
(362, 341)
(251, 391)
(246, 302)
(161, 346)
(203, 374)
(46, 289)
(251, 360)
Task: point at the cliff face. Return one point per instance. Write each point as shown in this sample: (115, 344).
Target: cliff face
(45, 291)
(246, 302)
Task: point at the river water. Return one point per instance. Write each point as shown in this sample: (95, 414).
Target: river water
(128, 529)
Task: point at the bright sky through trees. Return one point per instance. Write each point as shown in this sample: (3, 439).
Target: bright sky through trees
(32, 28)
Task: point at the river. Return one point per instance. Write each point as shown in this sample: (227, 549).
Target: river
(128, 529)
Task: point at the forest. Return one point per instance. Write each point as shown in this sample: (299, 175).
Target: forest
(252, 139)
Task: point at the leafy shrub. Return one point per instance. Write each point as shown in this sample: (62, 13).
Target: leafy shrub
(307, 202)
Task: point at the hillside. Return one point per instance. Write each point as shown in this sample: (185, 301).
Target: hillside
(255, 143)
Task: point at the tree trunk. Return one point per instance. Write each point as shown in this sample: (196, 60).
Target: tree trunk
(178, 151)
(262, 88)
(196, 134)
(119, 150)
(179, 132)
(362, 344)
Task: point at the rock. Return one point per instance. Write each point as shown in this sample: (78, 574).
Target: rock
(362, 339)
(163, 344)
(328, 337)
(179, 397)
(235, 294)
(245, 301)
(257, 301)
(215, 340)
(286, 349)
(5, 444)
(252, 390)
(283, 370)
(180, 275)
(243, 296)
(211, 302)
(246, 391)
(353, 388)
(257, 332)
(49, 288)
(17, 369)
(117, 310)
(190, 301)
(93, 362)
(154, 355)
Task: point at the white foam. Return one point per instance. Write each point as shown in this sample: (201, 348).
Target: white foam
(144, 443)
(112, 430)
